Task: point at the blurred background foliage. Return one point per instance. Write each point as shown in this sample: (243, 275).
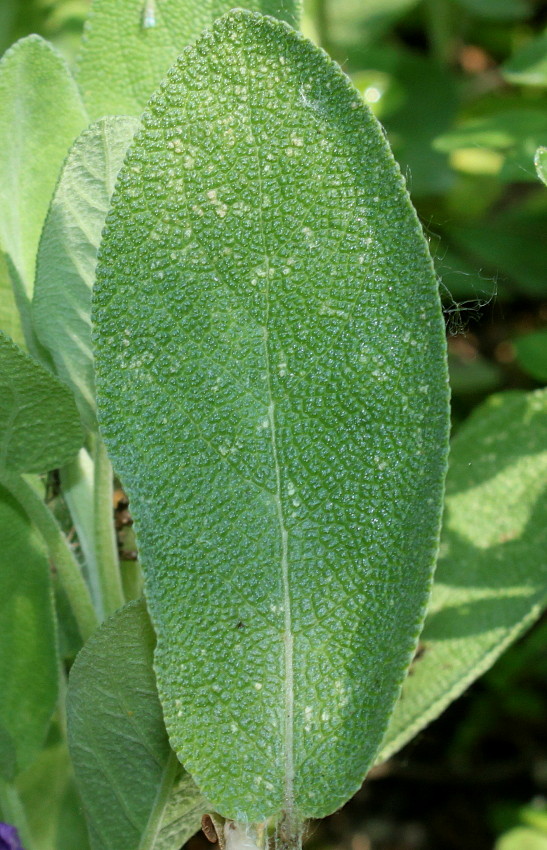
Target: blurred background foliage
(460, 87)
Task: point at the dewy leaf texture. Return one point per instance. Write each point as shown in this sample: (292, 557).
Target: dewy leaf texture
(273, 391)
(67, 255)
(136, 794)
(39, 423)
(146, 36)
(491, 577)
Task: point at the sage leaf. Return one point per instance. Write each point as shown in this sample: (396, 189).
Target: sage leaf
(280, 379)
(67, 254)
(28, 655)
(491, 577)
(41, 115)
(153, 33)
(116, 733)
(39, 422)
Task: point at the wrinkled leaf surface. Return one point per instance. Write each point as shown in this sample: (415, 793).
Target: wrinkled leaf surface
(279, 383)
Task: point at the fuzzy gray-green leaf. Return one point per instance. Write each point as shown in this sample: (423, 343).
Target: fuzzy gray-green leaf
(67, 254)
(39, 423)
(135, 792)
(491, 577)
(276, 404)
(145, 37)
(41, 114)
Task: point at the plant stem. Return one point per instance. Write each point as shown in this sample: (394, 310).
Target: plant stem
(106, 549)
(87, 488)
(59, 551)
(77, 486)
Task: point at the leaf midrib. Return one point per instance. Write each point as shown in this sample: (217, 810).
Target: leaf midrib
(288, 642)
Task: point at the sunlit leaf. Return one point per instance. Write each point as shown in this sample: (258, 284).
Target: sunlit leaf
(491, 577)
(41, 115)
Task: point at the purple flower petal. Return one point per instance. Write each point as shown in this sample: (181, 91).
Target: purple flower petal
(9, 838)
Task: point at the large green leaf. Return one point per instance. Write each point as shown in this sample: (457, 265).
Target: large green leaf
(145, 37)
(116, 733)
(67, 254)
(41, 115)
(28, 656)
(279, 377)
(39, 423)
(491, 580)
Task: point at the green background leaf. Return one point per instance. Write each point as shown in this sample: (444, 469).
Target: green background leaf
(39, 423)
(490, 582)
(515, 133)
(41, 115)
(528, 66)
(51, 802)
(135, 792)
(281, 375)
(10, 321)
(144, 54)
(67, 255)
(502, 10)
(532, 354)
(28, 655)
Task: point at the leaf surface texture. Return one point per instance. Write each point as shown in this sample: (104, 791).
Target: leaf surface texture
(281, 382)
